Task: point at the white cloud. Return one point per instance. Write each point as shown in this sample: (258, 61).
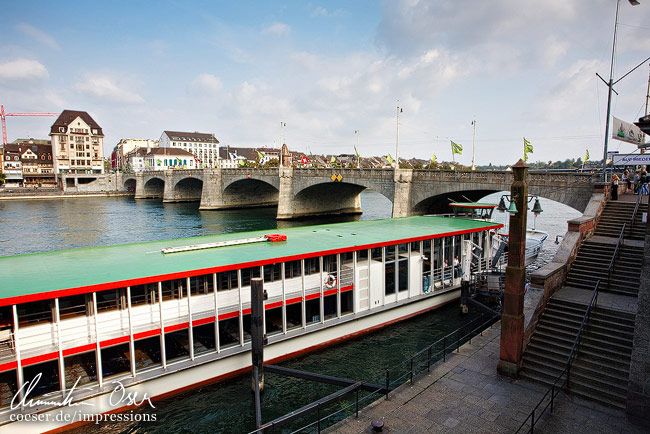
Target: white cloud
(320, 11)
(206, 84)
(104, 87)
(38, 35)
(277, 29)
(23, 69)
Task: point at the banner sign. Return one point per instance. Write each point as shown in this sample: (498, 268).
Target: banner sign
(631, 160)
(630, 133)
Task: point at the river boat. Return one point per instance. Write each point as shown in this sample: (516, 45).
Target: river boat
(89, 332)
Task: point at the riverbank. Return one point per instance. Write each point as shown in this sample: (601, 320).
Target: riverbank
(22, 193)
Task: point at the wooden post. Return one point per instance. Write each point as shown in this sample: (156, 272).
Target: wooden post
(257, 331)
(512, 319)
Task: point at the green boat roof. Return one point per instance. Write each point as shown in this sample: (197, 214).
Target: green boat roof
(55, 274)
(473, 205)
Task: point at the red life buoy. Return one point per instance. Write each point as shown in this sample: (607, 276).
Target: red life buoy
(330, 282)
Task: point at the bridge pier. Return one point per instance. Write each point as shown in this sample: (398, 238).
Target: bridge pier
(211, 197)
(139, 186)
(402, 199)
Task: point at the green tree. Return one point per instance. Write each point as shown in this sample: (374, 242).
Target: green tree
(3, 178)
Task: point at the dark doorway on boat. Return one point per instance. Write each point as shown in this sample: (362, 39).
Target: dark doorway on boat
(346, 302)
(247, 327)
(74, 305)
(312, 311)
(34, 312)
(228, 332)
(116, 360)
(177, 345)
(294, 315)
(329, 306)
(80, 366)
(147, 353)
(8, 387)
(48, 381)
(204, 338)
(273, 319)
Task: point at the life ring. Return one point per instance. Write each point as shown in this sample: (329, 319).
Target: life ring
(330, 282)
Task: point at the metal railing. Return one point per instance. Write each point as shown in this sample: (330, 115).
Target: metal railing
(621, 238)
(634, 213)
(405, 370)
(565, 375)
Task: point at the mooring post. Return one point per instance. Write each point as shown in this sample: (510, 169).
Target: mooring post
(257, 343)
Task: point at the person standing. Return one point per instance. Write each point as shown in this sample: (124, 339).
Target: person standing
(637, 178)
(626, 179)
(615, 180)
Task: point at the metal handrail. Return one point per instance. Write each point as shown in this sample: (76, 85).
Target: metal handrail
(621, 237)
(555, 389)
(634, 213)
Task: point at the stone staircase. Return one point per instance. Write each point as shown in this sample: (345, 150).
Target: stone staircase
(592, 262)
(615, 214)
(600, 370)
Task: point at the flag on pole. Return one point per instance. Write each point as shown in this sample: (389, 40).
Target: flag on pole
(242, 162)
(586, 154)
(456, 148)
(304, 159)
(332, 160)
(356, 152)
(433, 158)
(260, 155)
(389, 159)
(528, 149)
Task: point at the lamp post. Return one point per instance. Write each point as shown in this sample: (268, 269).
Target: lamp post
(474, 146)
(610, 86)
(356, 149)
(282, 125)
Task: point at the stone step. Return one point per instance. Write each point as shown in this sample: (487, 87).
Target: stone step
(596, 368)
(616, 336)
(599, 381)
(561, 346)
(587, 340)
(598, 395)
(624, 317)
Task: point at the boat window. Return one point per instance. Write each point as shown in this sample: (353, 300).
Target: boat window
(329, 264)
(73, 305)
(227, 280)
(49, 381)
(110, 299)
(330, 310)
(437, 253)
(82, 367)
(403, 274)
(312, 311)
(292, 269)
(294, 315)
(248, 273)
(204, 338)
(143, 294)
(247, 327)
(34, 312)
(390, 253)
(202, 284)
(228, 332)
(116, 360)
(389, 278)
(415, 246)
(272, 272)
(173, 289)
(377, 254)
(6, 319)
(426, 256)
(346, 302)
(346, 258)
(147, 353)
(312, 266)
(362, 255)
(273, 319)
(177, 345)
(403, 248)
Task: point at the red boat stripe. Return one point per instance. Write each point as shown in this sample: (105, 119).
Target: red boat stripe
(202, 321)
(40, 358)
(77, 350)
(8, 366)
(161, 277)
(175, 327)
(112, 342)
(146, 334)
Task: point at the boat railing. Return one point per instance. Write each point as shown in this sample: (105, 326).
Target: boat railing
(564, 378)
(404, 371)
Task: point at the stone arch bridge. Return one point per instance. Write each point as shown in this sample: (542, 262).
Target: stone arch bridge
(309, 192)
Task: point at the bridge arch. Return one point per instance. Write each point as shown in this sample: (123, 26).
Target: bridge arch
(250, 193)
(328, 198)
(439, 203)
(187, 189)
(154, 188)
(130, 184)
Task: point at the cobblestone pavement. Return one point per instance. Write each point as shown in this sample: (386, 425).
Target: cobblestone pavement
(466, 395)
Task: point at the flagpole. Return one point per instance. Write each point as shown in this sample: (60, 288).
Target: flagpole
(474, 146)
(399, 109)
(357, 149)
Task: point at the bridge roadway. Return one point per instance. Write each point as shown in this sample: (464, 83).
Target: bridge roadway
(302, 192)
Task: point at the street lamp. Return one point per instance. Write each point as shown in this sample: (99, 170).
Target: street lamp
(611, 84)
(282, 125)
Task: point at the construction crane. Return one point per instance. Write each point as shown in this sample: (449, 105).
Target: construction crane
(3, 116)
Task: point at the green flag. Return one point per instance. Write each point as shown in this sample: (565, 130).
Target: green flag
(456, 148)
(586, 154)
(433, 158)
(528, 148)
(389, 159)
(332, 160)
(260, 155)
(356, 152)
(242, 163)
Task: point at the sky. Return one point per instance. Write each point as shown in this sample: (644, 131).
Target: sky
(330, 68)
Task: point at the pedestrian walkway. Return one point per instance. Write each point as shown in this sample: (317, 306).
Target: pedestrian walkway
(465, 394)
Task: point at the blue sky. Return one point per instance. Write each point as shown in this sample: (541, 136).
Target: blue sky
(238, 69)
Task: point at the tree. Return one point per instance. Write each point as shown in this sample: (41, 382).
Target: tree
(3, 178)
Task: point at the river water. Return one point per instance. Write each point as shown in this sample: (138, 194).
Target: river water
(226, 407)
